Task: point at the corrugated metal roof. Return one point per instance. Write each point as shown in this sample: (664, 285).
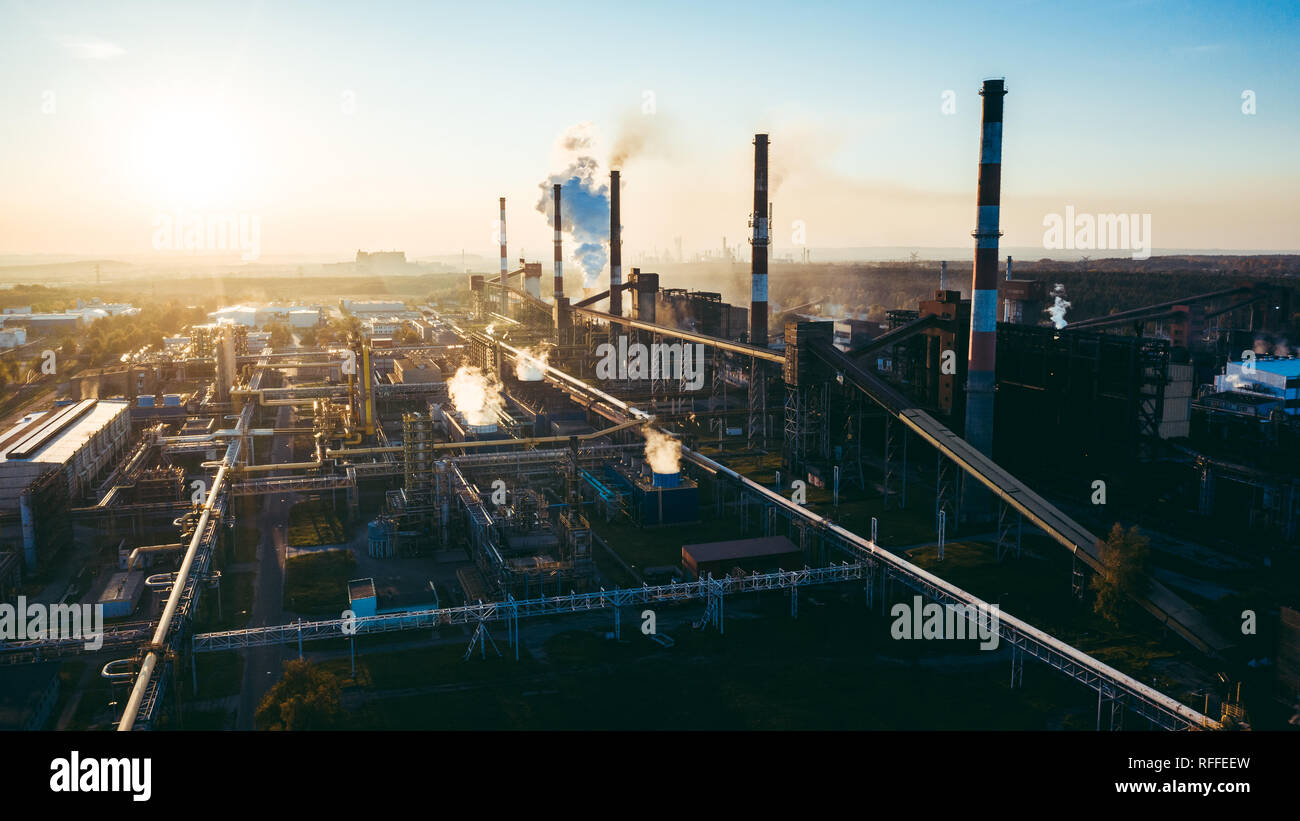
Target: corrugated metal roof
(61, 447)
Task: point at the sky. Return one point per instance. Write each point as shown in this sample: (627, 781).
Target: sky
(369, 125)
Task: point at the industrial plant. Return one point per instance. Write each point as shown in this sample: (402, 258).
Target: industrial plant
(299, 479)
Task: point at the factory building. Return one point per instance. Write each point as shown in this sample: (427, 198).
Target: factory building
(49, 458)
(702, 312)
(411, 371)
(1271, 379)
(364, 307)
(13, 337)
(382, 262)
(759, 555)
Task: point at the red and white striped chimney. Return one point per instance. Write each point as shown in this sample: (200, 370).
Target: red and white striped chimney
(505, 295)
(559, 247)
(758, 259)
(980, 380)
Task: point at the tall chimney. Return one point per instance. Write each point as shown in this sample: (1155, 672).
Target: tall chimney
(1008, 267)
(615, 248)
(943, 275)
(758, 260)
(559, 247)
(984, 287)
(505, 295)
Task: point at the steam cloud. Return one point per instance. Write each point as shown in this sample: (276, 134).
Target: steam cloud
(531, 365)
(584, 205)
(1059, 307)
(477, 396)
(663, 452)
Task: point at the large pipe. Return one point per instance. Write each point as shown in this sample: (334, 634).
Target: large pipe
(505, 295)
(984, 285)
(758, 263)
(615, 248)
(559, 248)
(158, 645)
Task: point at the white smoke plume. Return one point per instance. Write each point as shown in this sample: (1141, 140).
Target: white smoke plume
(530, 366)
(584, 206)
(663, 452)
(1059, 306)
(477, 396)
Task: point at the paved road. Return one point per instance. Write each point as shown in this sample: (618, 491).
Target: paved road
(262, 664)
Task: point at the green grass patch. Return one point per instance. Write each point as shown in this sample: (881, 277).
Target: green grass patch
(236, 603)
(316, 584)
(312, 524)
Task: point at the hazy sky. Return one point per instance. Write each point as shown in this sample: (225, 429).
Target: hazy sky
(376, 125)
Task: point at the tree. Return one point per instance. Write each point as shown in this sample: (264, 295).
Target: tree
(406, 335)
(281, 337)
(305, 698)
(1124, 557)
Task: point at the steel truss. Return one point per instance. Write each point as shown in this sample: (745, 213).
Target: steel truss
(895, 473)
(1026, 641)
(947, 482)
(1006, 543)
(757, 395)
(514, 609)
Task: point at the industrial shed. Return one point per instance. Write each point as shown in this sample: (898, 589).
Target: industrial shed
(763, 554)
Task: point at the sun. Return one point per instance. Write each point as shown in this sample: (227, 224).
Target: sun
(189, 156)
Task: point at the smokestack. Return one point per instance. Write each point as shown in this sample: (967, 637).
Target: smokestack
(647, 292)
(984, 286)
(532, 278)
(559, 247)
(758, 260)
(505, 298)
(1008, 268)
(943, 275)
(615, 248)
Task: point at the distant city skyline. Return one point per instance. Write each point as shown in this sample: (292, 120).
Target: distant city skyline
(396, 126)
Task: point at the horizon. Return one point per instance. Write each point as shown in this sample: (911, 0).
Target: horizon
(365, 135)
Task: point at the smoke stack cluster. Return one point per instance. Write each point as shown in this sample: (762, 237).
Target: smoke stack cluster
(984, 286)
(615, 248)
(559, 246)
(504, 295)
(758, 263)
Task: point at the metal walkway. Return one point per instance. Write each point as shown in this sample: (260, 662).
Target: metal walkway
(513, 609)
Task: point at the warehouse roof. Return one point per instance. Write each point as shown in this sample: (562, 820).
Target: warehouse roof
(740, 548)
(55, 436)
(1282, 367)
